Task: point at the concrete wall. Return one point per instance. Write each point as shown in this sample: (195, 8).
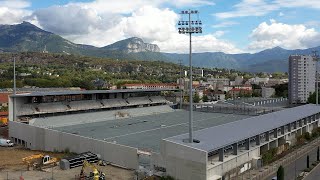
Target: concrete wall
(37, 138)
(184, 163)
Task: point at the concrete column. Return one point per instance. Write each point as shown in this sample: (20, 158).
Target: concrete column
(258, 139)
(300, 123)
(247, 144)
(235, 148)
(267, 134)
(289, 127)
(221, 154)
(282, 130)
(275, 132)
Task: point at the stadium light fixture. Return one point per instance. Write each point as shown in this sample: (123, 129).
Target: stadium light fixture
(190, 27)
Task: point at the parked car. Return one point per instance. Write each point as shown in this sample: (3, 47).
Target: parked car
(6, 143)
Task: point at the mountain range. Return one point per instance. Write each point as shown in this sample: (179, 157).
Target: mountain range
(28, 37)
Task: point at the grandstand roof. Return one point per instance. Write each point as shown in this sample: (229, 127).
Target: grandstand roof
(217, 137)
(57, 93)
(143, 132)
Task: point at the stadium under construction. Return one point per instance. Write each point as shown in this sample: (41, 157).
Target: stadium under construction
(139, 129)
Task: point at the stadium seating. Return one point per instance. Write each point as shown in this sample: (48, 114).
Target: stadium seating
(138, 101)
(85, 105)
(26, 109)
(158, 99)
(111, 103)
(51, 107)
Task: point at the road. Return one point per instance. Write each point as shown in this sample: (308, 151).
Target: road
(314, 174)
(299, 165)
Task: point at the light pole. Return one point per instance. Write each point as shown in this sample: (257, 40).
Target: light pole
(180, 84)
(190, 27)
(14, 89)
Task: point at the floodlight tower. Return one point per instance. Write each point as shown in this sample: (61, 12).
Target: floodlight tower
(316, 57)
(190, 27)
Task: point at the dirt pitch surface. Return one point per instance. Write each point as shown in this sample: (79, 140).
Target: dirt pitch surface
(12, 168)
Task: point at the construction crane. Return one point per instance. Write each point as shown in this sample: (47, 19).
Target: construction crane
(39, 161)
(94, 175)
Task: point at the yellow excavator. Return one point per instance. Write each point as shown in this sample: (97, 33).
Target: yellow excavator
(39, 161)
(94, 175)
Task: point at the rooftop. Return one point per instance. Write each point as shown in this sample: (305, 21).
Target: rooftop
(217, 137)
(144, 132)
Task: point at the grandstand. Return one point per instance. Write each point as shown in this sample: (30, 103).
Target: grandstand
(54, 103)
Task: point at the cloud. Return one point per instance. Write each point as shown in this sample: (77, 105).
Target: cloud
(13, 11)
(225, 24)
(262, 7)
(284, 35)
(281, 14)
(249, 8)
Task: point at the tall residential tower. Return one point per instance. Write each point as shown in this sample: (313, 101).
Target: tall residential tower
(302, 79)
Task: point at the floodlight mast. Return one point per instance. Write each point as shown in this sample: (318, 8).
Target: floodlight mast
(190, 27)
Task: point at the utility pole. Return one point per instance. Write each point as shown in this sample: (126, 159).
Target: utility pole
(190, 27)
(180, 84)
(317, 89)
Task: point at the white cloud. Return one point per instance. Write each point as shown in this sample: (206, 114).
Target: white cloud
(262, 7)
(283, 35)
(249, 8)
(13, 11)
(225, 24)
(100, 23)
(281, 14)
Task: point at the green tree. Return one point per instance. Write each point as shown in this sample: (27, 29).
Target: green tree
(205, 98)
(280, 173)
(318, 154)
(196, 98)
(312, 98)
(308, 161)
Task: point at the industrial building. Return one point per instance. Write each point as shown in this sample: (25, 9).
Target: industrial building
(302, 78)
(137, 129)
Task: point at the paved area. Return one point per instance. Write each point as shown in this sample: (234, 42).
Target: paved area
(314, 174)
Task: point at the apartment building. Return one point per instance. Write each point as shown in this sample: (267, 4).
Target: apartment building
(301, 78)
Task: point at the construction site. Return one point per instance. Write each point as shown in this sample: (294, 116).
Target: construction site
(139, 133)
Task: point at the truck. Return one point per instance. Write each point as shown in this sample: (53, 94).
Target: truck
(6, 143)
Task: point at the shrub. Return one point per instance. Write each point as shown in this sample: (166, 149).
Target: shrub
(307, 136)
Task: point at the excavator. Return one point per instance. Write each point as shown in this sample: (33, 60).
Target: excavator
(94, 175)
(39, 161)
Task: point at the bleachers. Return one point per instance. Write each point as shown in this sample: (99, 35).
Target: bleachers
(51, 107)
(85, 105)
(158, 99)
(56, 107)
(111, 103)
(138, 101)
(26, 109)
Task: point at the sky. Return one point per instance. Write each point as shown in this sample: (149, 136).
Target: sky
(229, 26)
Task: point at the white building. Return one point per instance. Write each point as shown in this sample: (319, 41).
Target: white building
(301, 78)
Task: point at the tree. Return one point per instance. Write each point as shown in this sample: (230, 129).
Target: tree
(312, 98)
(280, 173)
(205, 98)
(318, 154)
(308, 161)
(196, 98)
